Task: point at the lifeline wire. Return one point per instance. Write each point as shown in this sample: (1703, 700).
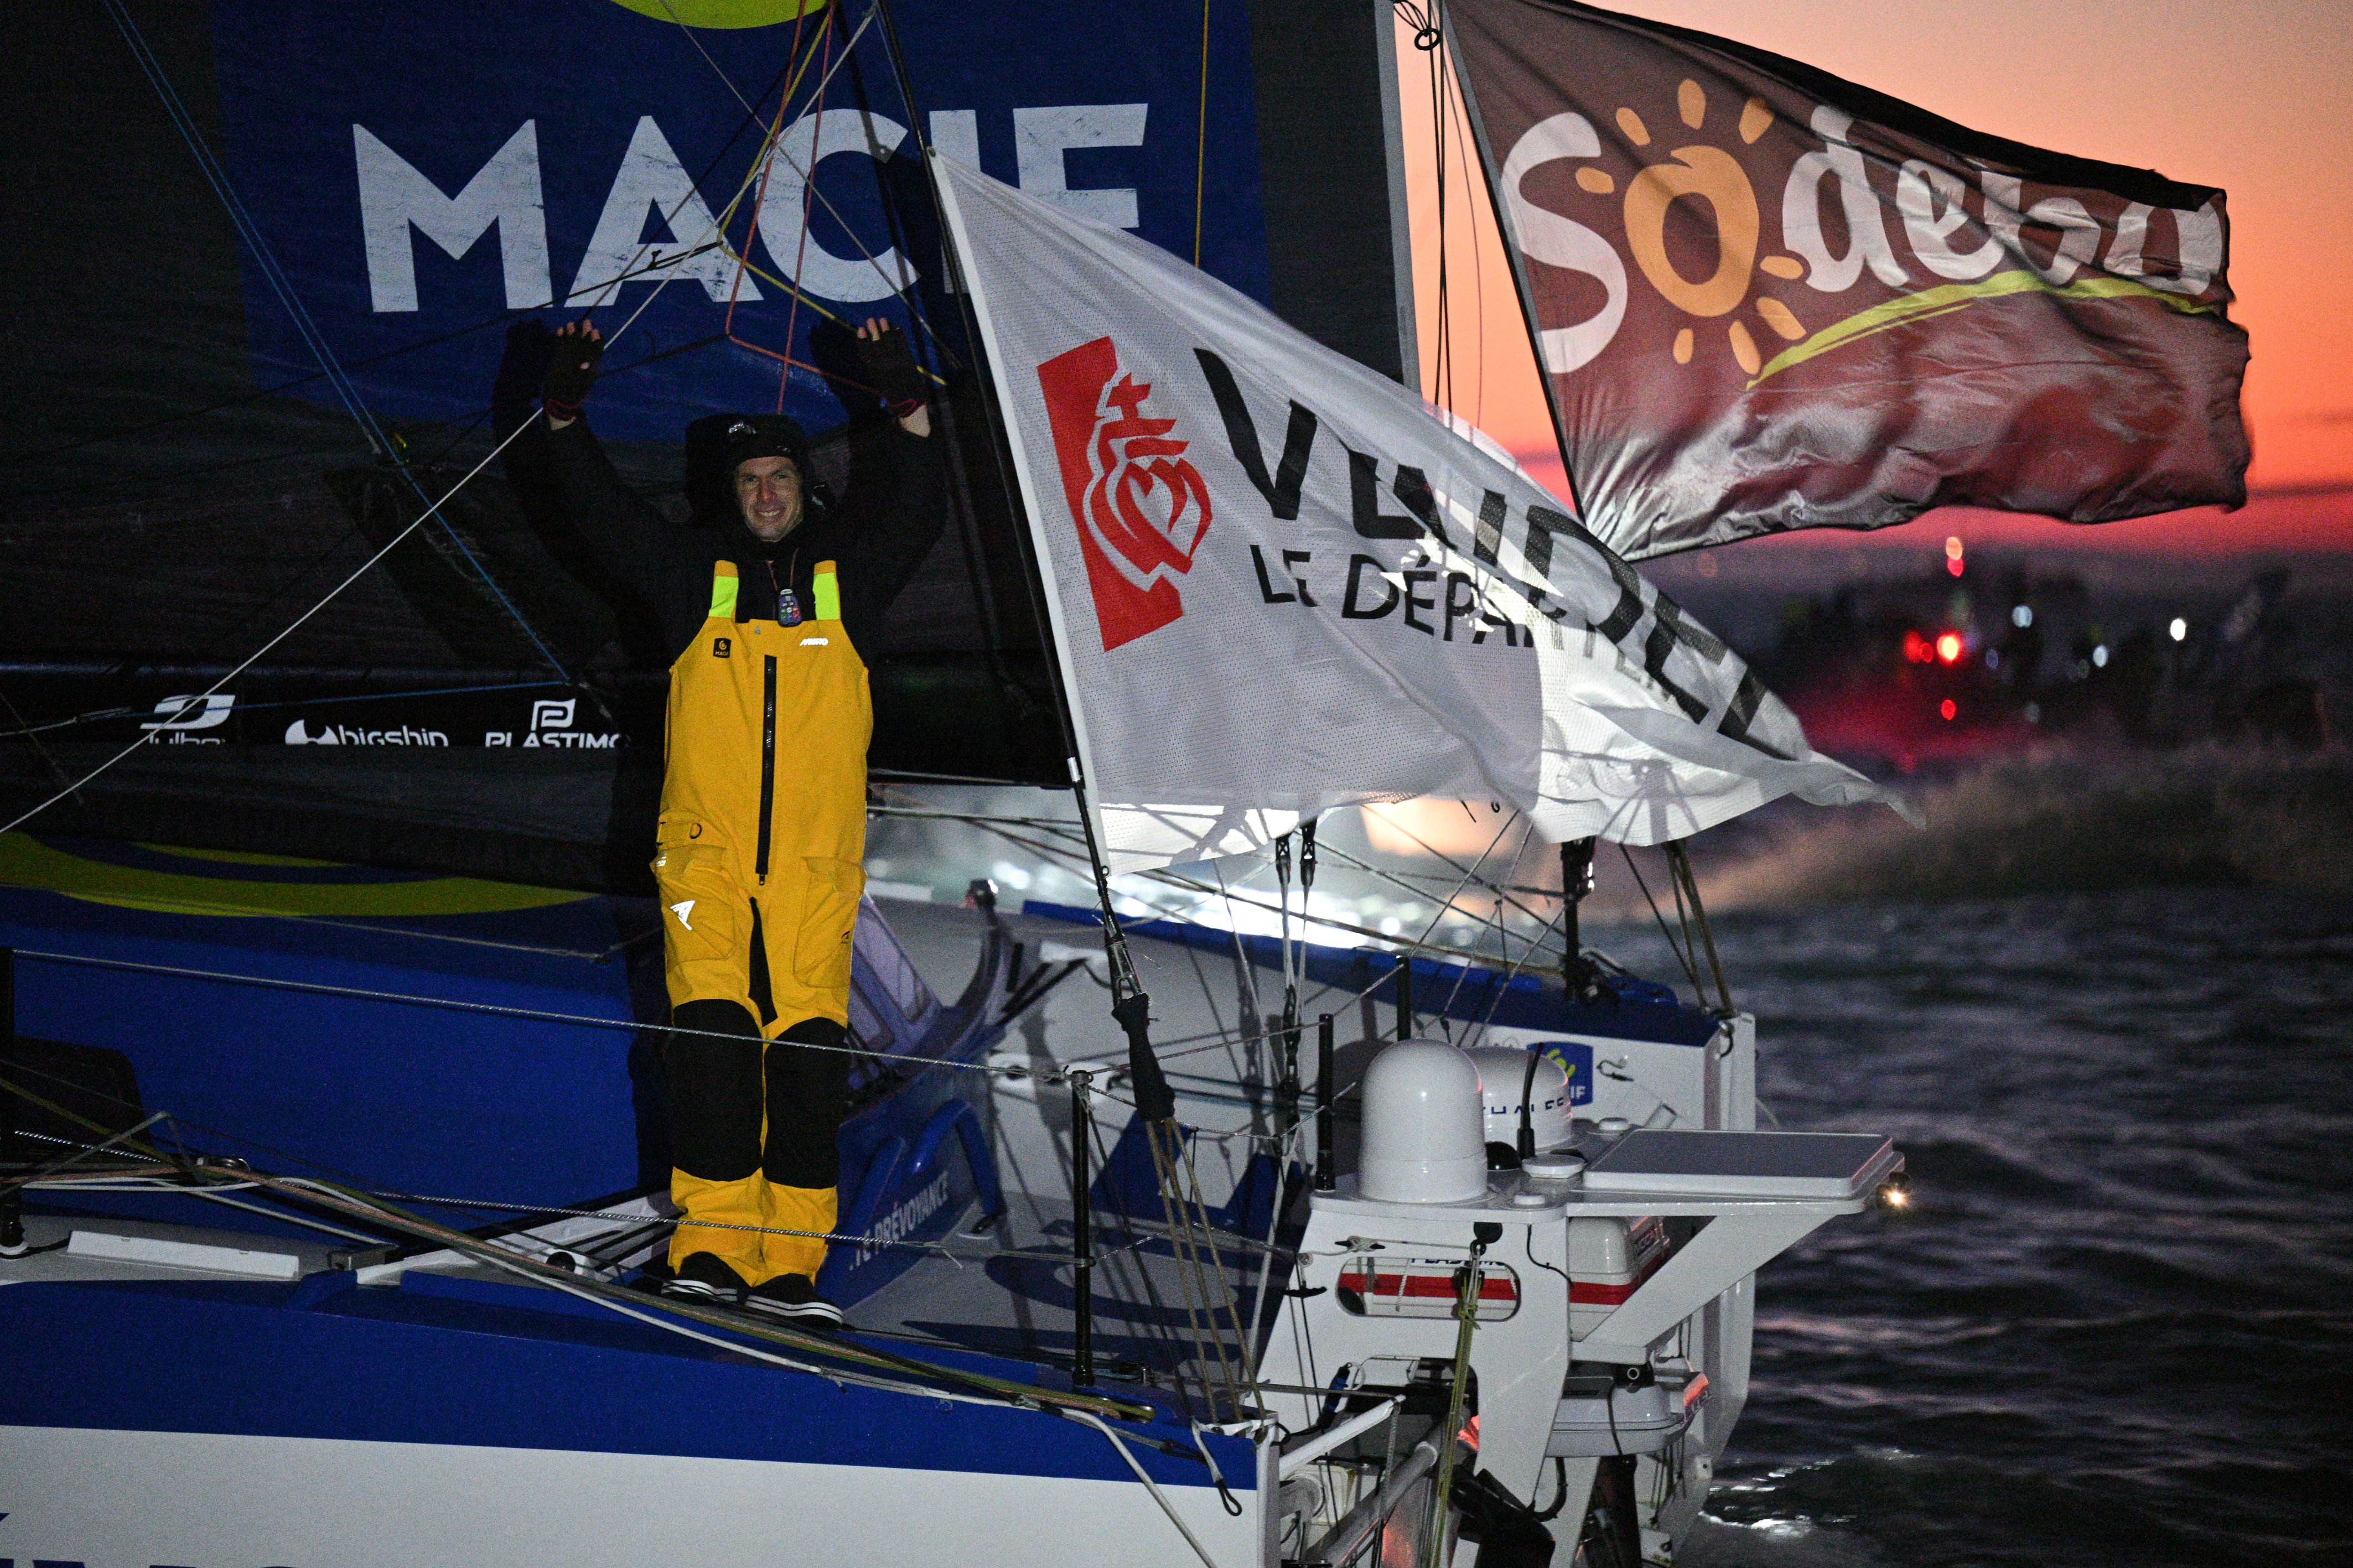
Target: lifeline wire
(631, 1026)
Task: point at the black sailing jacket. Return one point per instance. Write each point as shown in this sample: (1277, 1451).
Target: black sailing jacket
(877, 537)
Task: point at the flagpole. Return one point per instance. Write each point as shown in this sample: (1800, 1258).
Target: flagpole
(1131, 1006)
(1020, 504)
(1156, 1103)
(1513, 257)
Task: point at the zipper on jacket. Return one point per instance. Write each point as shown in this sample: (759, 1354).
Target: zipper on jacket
(767, 763)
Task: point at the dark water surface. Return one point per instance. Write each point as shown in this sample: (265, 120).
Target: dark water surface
(2117, 1326)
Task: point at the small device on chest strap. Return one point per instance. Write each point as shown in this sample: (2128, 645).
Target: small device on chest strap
(788, 604)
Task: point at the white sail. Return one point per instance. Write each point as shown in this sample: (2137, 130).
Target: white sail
(1279, 586)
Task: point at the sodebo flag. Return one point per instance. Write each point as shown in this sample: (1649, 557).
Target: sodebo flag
(1278, 584)
(1769, 299)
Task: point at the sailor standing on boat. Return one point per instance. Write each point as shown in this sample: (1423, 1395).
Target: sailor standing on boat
(760, 852)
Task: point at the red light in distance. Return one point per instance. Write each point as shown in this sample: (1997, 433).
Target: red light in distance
(1918, 649)
(1949, 708)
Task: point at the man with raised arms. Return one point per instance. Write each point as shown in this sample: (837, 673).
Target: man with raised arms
(759, 853)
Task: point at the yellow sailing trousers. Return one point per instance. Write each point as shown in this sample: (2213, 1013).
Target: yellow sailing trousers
(758, 862)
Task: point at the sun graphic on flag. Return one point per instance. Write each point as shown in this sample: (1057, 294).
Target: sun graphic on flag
(1710, 174)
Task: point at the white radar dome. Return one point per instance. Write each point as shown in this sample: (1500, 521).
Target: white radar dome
(1424, 1139)
(1503, 1070)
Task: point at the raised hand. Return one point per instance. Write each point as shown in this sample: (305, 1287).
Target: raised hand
(571, 371)
(888, 364)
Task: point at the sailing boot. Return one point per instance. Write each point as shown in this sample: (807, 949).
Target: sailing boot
(793, 1298)
(704, 1278)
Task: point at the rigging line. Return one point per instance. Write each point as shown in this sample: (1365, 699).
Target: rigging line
(841, 1238)
(123, 1137)
(1428, 41)
(1673, 946)
(239, 218)
(1201, 136)
(1404, 881)
(1391, 939)
(1463, 153)
(812, 193)
(999, 446)
(101, 486)
(593, 957)
(1250, 970)
(23, 1068)
(728, 81)
(492, 1009)
(290, 630)
(612, 1297)
(1448, 860)
(1191, 1274)
(1405, 877)
(1679, 862)
(1503, 949)
(998, 827)
(33, 733)
(767, 167)
(611, 290)
(437, 339)
(266, 262)
(1472, 872)
(280, 1215)
(1318, 998)
(1444, 1023)
(1496, 1002)
(1150, 1484)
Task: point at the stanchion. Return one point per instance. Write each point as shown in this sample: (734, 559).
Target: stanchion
(1082, 1241)
(1326, 1178)
(12, 1200)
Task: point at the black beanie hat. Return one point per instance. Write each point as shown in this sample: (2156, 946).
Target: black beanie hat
(751, 435)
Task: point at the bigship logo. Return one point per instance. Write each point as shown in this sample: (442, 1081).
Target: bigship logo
(1140, 506)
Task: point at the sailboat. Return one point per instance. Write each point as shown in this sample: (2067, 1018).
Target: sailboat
(335, 1162)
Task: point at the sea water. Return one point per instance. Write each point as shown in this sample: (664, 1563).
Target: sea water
(2116, 1324)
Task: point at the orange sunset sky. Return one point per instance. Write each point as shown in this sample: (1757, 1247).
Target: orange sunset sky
(2250, 97)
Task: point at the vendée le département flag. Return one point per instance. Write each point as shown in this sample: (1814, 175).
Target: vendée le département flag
(1281, 583)
(1769, 299)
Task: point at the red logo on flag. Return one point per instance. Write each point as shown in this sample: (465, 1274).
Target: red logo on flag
(1141, 507)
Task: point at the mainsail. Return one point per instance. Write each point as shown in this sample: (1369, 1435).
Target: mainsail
(1278, 585)
(1766, 299)
(298, 287)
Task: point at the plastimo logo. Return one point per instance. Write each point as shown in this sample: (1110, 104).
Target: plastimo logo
(1140, 506)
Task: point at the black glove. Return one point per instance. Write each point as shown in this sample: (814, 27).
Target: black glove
(888, 365)
(571, 372)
